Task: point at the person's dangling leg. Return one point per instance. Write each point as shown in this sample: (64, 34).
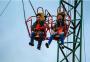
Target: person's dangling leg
(50, 40)
(32, 39)
(40, 40)
(61, 37)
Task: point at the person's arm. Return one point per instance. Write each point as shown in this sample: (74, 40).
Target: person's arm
(65, 29)
(33, 26)
(54, 27)
(47, 26)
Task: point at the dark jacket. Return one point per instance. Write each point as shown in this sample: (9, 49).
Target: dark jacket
(58, 24)
(33, 27)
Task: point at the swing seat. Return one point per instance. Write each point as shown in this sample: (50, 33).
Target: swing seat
(56, 37)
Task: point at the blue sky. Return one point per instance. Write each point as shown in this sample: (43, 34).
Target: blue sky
(14, 37)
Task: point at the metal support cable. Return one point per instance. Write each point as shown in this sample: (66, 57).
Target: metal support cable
(32, 7)
(24, 10)
(84, 40)
(5, 8)
(25, 17)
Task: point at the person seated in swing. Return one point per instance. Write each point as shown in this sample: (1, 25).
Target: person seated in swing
(38, 30)
(58, 29)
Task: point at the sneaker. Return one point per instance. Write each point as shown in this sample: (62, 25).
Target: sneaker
(62, 46)
(38, 48)
(47, 45)
(31, 44)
